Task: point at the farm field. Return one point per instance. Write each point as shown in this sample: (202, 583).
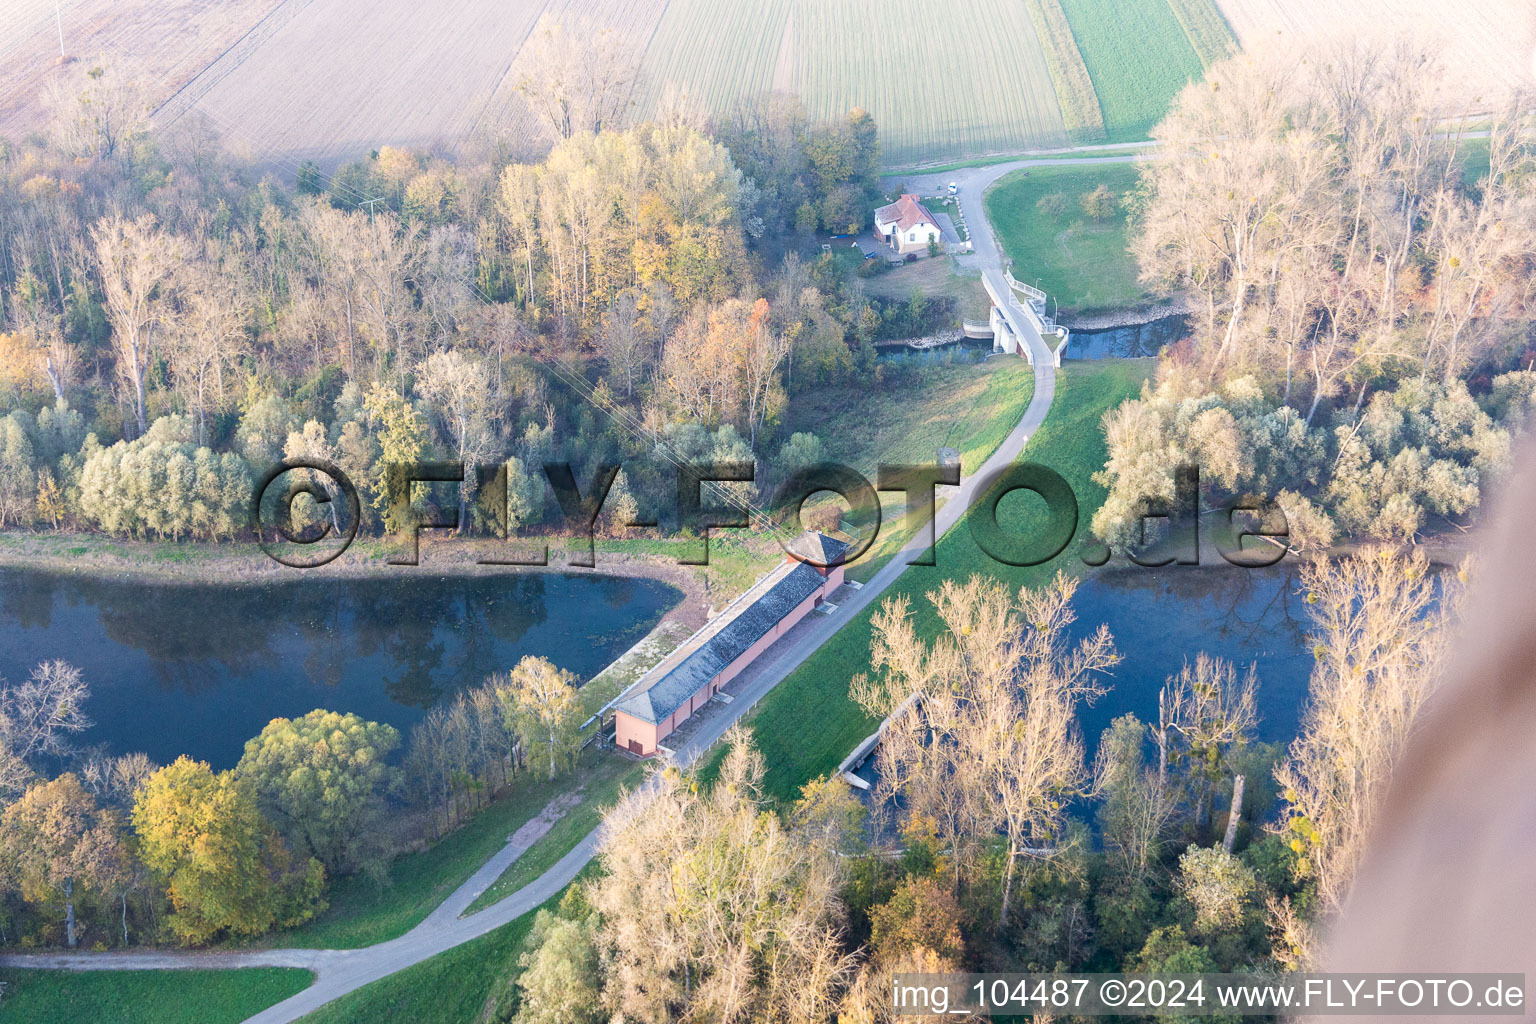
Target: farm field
(984, 88)
(1485, 46)
(1081, 263)
(331, 80)
(342, 77)
(1138, 58)
(163, 42)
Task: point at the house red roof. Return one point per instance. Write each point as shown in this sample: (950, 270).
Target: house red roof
(905, 213)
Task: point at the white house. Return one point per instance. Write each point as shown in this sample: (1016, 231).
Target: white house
(906, 225)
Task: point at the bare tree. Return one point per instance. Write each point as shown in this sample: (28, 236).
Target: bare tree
(134, 258)
(626, 342)
(578, 81)
(1380, 633)
(38, 716)
(1209, 712)
(207, 333)
(460, 388)
(981, 734)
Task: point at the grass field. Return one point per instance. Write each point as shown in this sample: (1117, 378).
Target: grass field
(1138, 58)
(1082, 264)
(455, 987)
(145, 997)
(600, 791)
(1080, 113)
(1206, 28)
(363, 913)
(806, 725)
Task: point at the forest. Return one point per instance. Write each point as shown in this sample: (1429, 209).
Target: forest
(177, 320)
(1360, 273)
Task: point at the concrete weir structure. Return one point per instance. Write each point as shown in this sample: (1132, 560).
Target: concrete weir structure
(685, 680)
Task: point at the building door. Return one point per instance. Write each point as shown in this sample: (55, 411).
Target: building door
(635, 747)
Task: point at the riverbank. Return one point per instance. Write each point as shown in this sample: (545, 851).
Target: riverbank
(198, 563)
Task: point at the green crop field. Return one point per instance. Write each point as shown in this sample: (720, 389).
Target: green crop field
(1138, 58)
(965, 76)
(1081, 263)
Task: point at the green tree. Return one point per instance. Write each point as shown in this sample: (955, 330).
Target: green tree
(322, 779)
(543, 711)
(225, 868)
(402, 438)
(1218, 885)
(18, 470)
(1099, 203)
(560, 983)
(59, 846)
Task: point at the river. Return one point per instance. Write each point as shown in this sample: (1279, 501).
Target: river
(198, 670)
(177, 669)
(1162, 617)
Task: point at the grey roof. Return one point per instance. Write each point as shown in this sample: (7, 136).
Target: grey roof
(816, 548)
(723, 639)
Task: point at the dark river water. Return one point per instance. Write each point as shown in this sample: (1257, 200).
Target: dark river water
(199, 670)
(1161, 617)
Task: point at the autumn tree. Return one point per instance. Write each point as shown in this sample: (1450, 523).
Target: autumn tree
(711, 907)
(134, 258)
(543, 710)
(981, 734)
(1380, 630)
(61, 847)
(225, 868)
(1099, 203)
(322, 779)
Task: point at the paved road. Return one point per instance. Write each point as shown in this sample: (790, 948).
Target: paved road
(339, 971)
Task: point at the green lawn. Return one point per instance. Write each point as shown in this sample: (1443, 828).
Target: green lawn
(602, 787)
(1138, 57)
(1081, 264)
(363, 913)
(466, 984)
(145, 997)
(969, 407)
(807, 724)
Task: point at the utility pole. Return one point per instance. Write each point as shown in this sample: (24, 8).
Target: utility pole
(58, 17)
(369, 203)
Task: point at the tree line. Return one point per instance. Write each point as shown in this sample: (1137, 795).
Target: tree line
(1360, 274)
(172, 321)
(113, 850)
(990, 841)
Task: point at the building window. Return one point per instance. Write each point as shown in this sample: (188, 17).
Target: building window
(911, 236)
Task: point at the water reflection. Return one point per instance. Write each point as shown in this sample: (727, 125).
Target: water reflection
(198, 670)
(1129, 341)
(1161, 617)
